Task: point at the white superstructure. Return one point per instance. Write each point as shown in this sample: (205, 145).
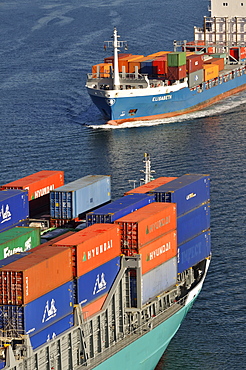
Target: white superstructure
(226, 27)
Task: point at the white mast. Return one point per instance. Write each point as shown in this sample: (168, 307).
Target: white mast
(116, 64)
(148, 172)
(116, 45)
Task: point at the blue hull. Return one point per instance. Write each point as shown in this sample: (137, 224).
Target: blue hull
(154, 106)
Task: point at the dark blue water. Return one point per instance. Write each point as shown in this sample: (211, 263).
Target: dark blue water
(47, 47)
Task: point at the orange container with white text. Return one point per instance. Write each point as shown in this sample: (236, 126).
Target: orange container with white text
(92, 247)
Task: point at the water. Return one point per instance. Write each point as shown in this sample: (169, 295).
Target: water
(47, 122)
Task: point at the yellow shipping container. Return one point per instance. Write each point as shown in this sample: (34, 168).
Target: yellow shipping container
(210, 71)
(101, 69)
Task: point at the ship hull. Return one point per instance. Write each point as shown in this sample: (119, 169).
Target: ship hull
(158, 104)
(145, 352)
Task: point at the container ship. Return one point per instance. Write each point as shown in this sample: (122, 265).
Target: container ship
(95, 283)
(196, 74)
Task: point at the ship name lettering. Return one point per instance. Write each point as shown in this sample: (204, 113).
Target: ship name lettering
(43, 191)
(162, 222)
(100, 249)
(163, 97)
(159, 251)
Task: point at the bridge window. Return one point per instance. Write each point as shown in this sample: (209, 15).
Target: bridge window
(225, 4)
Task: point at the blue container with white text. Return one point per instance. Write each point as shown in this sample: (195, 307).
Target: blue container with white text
(40, 313)
(188, 191)
(193, 223)
(119, 208)
(52, 331)
(194, 251)
(97, 282)
(14, 208)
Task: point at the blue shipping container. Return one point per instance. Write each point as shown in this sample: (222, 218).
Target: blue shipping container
(147, 67)
(193, 223)
(97, 282)
(80, 196)
(13, 207)
(119, 208)
(194, 251)
(40, 313)
(188, 191)
(52, 331)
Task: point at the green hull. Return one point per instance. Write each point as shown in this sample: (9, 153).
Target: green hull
(145, 352)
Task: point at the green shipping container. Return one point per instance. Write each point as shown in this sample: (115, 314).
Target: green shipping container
(18, 239)
(176, 59)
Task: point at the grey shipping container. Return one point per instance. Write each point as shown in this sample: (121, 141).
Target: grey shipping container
(80, 196)
(196, 78)
(159, 279)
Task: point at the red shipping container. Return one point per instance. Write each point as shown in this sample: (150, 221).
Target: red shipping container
(93, 307)
(243, 52)
(143, 189)
(160, 65)
(176, 73)
(34, 275)
(93, 246)
(38, 184)
(194, 62)
(146, 224)
(158, 251)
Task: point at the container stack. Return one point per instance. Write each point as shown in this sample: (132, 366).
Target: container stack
(146, 188)
(72, 200)
(176, 62)
(151, 232)
(38, 186)
(191, 193)
(14, 209)
(118, 208)
(37, 294)
(194, 68)
(96, 263)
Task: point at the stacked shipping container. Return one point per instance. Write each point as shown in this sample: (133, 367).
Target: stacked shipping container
(38, 186)
(118, 208)
(14, 210)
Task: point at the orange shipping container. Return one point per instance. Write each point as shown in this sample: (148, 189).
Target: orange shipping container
(34, 275)
(146, 224)
(52, 241)
(93, 307)
(143, 189)
(101, 69)
(136, 63)
(210, 71)
(38, 184)
(219, 61)
(158, 251)
(124, 62)
(93, 246)
(159, 53)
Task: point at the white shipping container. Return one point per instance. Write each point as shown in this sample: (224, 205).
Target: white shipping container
(80, 196)
(159, 279)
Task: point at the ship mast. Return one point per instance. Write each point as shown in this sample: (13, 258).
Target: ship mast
(116, 45)
(148, 172)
